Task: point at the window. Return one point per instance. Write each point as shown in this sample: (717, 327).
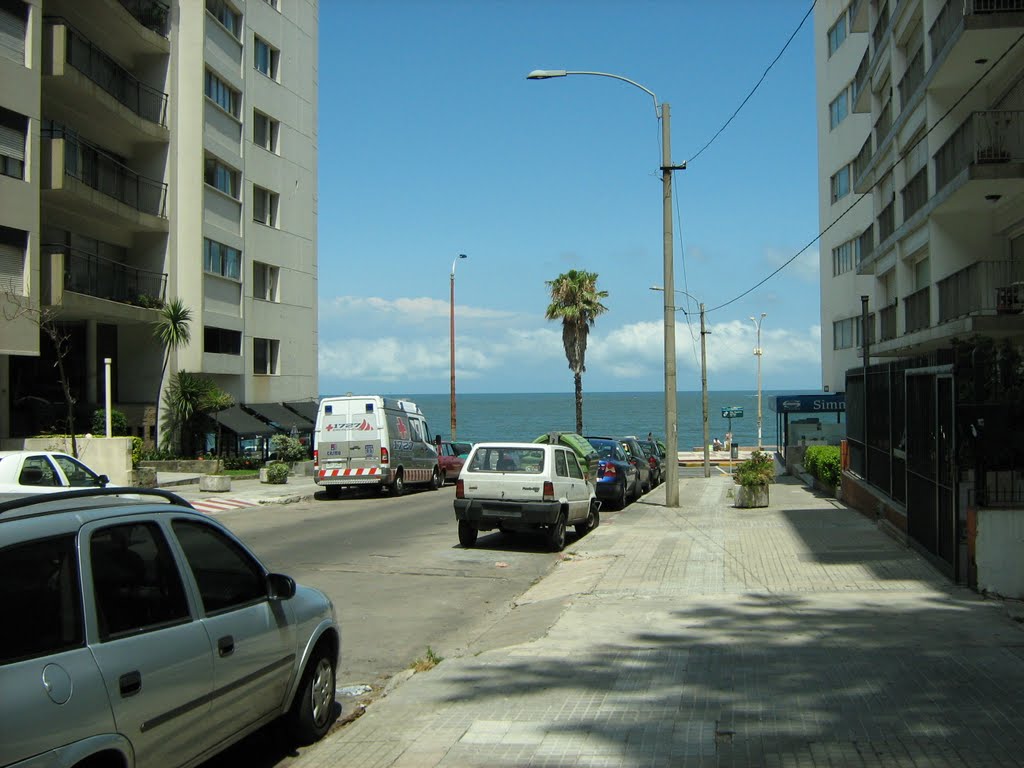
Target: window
(264, 206)
(560, 469)
(227, 576)
(837, 34)
(839, 108)
(226, 15)
(78, 475)
(13, 25)
(273, 4)
(841, 183)
(842, 257)
(220, 259)
(12, 143)
(222, 94)
(843, 332)
(574, 466)
(264, 356)
(265, 131)
(221, 341)
(265, 58)
(39, 586)
(222, 177)
(265, 281)
(12, 260)
(137, 584)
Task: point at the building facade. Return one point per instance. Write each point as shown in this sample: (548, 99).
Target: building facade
(921, 189)
(167, 150)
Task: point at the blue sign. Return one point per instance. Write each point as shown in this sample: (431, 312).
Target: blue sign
(811, 403)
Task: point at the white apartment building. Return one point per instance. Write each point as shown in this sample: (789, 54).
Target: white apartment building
(921, 197)
(155, 150)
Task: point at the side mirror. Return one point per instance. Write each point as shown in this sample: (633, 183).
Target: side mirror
(280, 587)
(103, 480)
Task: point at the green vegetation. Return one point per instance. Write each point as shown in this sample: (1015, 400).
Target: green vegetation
(277, 472)
(823, 462)
(118, 422)
(287, 448)
(759, 469)
(427, 662)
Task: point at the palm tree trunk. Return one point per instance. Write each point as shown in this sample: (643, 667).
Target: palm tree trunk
(578, 377)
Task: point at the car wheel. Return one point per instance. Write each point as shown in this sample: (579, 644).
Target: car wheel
(556, 535)
(313, 709)
(333, 491)
(467, 534)
(623, 499)
(592, 521)
(397, 487)
(437, 480)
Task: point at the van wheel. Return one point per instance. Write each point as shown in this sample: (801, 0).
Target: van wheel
(333, 491)
(437, 480)
(397, 487)
(467, 534)
(593, 520)
(556, 535)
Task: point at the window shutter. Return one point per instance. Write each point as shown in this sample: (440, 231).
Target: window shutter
(917, 158)
(12, 37)
(12, 269)
(12, 142)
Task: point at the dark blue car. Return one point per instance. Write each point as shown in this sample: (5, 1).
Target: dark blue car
(617, 479)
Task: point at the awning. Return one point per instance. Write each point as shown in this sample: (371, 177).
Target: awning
(280, 416)
(241, 423)
(307, 408)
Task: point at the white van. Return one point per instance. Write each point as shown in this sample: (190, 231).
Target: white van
(372, 440)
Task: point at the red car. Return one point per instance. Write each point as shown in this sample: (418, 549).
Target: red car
(450, 461)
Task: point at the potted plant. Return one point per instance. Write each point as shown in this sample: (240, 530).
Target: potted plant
(753, 478)
(276, 472)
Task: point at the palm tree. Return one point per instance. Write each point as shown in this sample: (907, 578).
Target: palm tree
(576, 301)
(172, 329)
(184, 399)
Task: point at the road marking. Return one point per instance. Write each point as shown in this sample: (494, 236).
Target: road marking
(211, 506)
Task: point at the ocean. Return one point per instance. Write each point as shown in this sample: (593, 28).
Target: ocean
(522, 417)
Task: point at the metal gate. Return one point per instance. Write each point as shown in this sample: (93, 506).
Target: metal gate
(931, 478)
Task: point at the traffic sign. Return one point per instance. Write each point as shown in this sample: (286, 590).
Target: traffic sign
(732, 412)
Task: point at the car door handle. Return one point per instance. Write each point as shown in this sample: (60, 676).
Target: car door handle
(226, 645)
(130, 683)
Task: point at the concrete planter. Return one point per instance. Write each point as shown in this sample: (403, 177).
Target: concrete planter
(142, 477)
(215, 483)
(265, 477)
(751, 496)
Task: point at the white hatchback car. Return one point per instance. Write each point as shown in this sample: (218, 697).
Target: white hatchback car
(45, 472)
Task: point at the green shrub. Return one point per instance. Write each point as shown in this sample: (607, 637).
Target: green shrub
(288, 448)
(759, 469)
(277, 472)
(137, 448)
(823, 462)
(118, 422)
(242, 462)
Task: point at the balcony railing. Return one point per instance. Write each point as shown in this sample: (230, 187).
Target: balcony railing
(993, 136)
(917, 310)
(862, 160)
(151, 14)
(912, 78)
(981, 287)
(887, 322)
(97, 169)
(915, 193)
(954, 11)
(887, 221)
(146, 102)
(103, 278)
(883, 123)
(881, 25)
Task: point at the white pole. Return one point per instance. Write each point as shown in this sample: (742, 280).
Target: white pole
(106, 381)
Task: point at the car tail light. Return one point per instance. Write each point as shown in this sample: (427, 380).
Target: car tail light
(460, 489)
(384, 458)
(652, 462)
(549, 491)
(316, 458)
(609, 470)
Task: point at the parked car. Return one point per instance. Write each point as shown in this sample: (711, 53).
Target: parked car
(462, 448)
(638, 457)
(450, 461)
(45, 472)
(524, 487)
(617, 479)
(149, 635)
(656, 458)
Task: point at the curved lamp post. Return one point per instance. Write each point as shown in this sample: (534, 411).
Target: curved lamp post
(757, 352)
(662, 112)
(451, 335)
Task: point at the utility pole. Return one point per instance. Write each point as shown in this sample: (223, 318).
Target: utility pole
(704, 390)
(757, 352)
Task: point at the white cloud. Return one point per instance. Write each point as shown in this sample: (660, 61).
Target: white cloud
(805, 267)
(418, 308)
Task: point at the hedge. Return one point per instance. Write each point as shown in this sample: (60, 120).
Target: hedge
(823, 462)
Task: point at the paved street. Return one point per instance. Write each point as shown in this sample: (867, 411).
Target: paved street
(798, 635)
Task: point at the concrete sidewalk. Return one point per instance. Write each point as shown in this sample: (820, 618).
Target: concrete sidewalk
(798, 635)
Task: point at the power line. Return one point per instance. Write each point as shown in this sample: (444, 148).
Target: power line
(879, 178)
(756, 85)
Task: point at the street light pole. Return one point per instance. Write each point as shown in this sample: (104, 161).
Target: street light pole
(662, 112)
(451, 336)
(757, 352)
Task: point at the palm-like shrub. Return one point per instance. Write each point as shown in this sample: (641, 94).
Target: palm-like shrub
(759, 469)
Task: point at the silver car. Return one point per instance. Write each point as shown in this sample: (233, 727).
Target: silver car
(141, 633)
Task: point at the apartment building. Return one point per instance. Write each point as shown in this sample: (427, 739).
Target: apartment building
(149, 151)
(921, 191)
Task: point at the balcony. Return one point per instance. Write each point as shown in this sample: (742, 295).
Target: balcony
(887, 322)
(862, 91)
(152, 14)
(883, 124)
(102, 278)
(860, 165)
(865, 245)
(886, 222)
(989, 144)
(917, 310)
(967, 30)
(915, 193)
(859, 16)
(881, 26)
(911, 79)
(984, 287)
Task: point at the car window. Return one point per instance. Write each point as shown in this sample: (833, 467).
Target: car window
(525, 460)
(136, 581)
(39, 591)
(416, 427)
(76, 472)
(37, 470)
(560, 469)
(228, 577)
(574, 466)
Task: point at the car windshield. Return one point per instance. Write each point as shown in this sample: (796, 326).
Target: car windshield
(524, 460)
(605, 449)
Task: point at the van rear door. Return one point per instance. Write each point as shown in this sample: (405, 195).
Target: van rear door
(350, 434)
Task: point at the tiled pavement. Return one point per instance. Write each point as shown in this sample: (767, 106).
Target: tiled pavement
(798, 635)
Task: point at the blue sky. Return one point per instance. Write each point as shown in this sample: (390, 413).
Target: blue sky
(432, 143)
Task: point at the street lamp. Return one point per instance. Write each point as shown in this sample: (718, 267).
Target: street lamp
(662, 112)
(757, 351)
(451, 335)
(703, 375)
